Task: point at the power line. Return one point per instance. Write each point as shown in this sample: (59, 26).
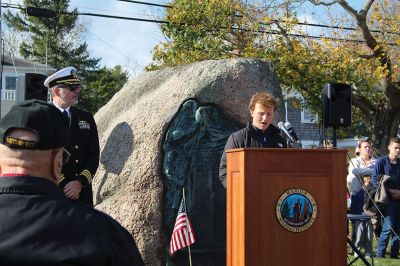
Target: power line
(259, 31)
(119, 17)
(263, 23)
(96, 15)
(275, 32)
(110, 46)
(328, 26)
(144, 3)
(107, 11)
(165, 22)
(118, 51)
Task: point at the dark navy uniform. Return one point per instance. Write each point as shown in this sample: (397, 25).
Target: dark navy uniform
(39, 226)
(85, 153)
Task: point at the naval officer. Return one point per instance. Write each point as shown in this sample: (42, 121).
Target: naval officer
(77, 174)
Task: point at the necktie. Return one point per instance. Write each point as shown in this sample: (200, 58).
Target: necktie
(65, 113)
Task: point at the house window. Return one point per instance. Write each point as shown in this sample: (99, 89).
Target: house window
(9, 89)
(307, 116)
(11, 83)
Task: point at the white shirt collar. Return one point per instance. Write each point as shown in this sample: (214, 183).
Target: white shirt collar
(61, 109)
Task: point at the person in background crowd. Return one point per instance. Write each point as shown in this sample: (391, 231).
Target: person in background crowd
(260, 133)
(359, 174)
(389, 165)
(78, 173)
(38, 225)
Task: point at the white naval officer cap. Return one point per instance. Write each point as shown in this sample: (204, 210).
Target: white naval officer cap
(65, 76)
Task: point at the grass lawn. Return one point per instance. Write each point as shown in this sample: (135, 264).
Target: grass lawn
(377, 261)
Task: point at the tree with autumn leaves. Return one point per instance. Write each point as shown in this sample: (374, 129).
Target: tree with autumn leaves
(359, 47)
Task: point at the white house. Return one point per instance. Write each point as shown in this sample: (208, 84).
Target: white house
(13, 70)
(304, 123)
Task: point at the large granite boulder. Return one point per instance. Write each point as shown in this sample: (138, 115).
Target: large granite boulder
(143, 142)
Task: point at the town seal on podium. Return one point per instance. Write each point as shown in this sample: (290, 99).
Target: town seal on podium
(296, 210)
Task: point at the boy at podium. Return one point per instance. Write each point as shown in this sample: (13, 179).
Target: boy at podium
(260, 133)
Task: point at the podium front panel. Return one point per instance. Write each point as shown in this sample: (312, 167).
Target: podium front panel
(257, 179)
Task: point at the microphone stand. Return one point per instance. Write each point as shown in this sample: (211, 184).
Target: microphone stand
(288, 143)
(334, 137)
(290, 140)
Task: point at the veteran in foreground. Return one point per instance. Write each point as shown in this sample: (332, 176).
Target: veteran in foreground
(39, 225)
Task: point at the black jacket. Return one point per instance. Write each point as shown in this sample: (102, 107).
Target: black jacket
(39, 226)
(370, 206)
(85, 153)
(251, 137)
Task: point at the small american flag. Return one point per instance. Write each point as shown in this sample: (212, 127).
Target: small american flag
(183, 235)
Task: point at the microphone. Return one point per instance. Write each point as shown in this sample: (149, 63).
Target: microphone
(290, 129)
(282, 127)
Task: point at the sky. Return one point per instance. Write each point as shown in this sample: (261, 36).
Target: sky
(121, 42)
(130, 43)
(118, 42)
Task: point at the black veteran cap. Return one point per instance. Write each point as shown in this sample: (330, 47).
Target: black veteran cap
(65, 76)
(39, 117)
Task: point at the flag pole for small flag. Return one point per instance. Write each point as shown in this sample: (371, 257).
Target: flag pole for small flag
(184, 200)
(182, 234)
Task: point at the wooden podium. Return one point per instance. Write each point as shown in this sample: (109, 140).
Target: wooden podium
(266, 185)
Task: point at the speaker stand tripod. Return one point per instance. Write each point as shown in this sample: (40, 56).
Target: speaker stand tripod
(359, 254)
(334, 137)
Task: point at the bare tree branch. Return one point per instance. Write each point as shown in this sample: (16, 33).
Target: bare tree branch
(361, 19)
(285, 36)
(367, 6)
(365, 107)
(366, 56)
(348, 8)
(324, 3)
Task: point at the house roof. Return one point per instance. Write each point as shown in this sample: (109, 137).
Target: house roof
(19, 62)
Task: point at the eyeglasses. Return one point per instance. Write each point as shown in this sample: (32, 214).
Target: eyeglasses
(70, 87)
